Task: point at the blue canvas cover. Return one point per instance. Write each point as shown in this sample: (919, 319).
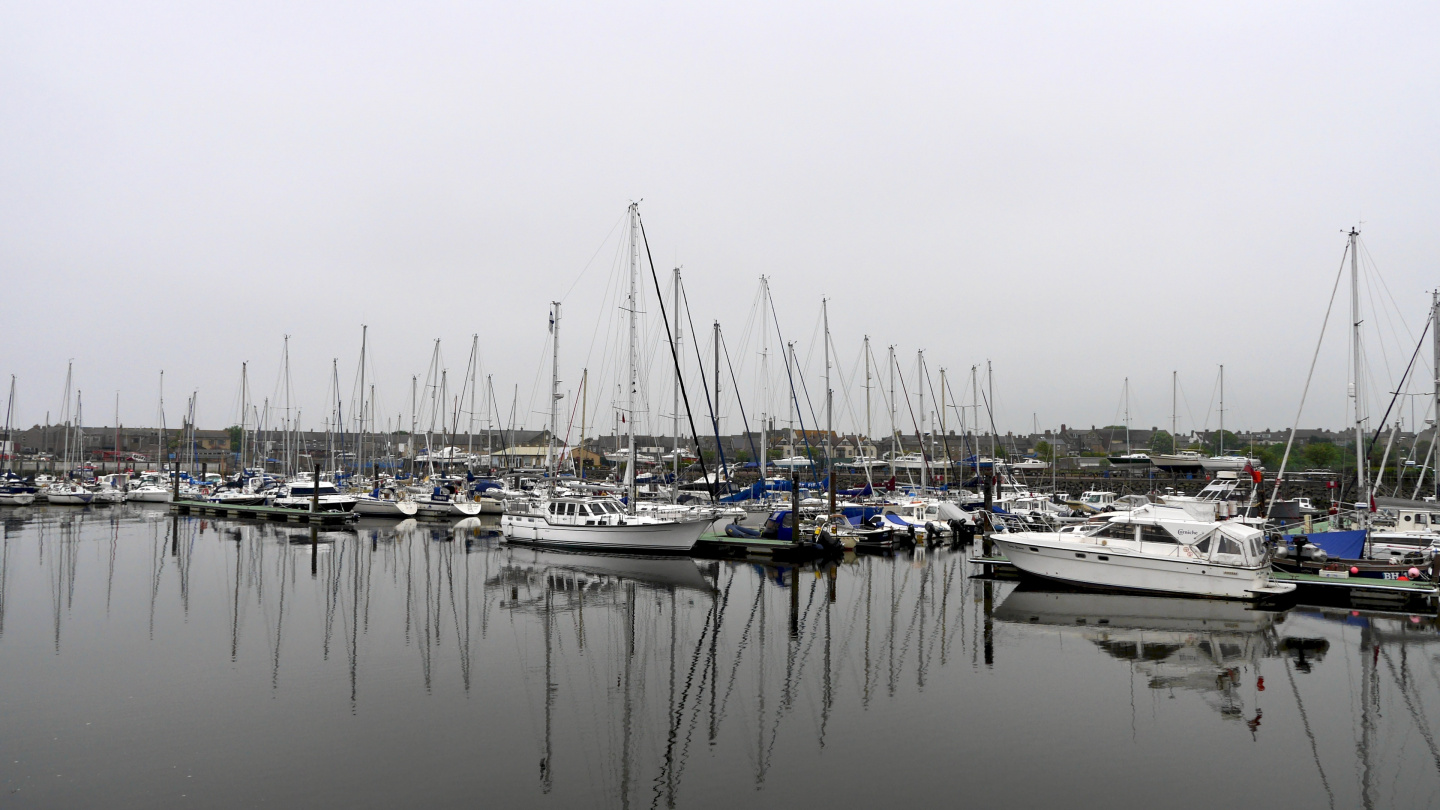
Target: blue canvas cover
(1340, 545)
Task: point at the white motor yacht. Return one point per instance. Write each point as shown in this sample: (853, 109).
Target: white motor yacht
(601, 524)
(1153, 548)
(303, 495)
(151, 489)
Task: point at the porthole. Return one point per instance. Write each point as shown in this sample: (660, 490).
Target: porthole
(1078, 554)
(1102, 557)
(1036, 550)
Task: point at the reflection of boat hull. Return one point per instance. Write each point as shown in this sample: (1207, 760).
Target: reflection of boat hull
(1130, 611)
(662, 572)
(652, 538)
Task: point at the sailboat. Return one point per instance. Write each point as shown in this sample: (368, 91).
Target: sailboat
(13, 491)
(1130, 458)
(599, 522)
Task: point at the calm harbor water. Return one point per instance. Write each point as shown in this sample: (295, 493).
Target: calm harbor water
(154, 661)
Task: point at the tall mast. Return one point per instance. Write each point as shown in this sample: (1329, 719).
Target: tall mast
(360, 434)
(116, 454)
(765, 377)
(1127, 416)
(244, 414)
(895, 445)
(718, 454)
(829, 393)
(584, 403)
(1435, 331)
(1222, 409)
(946, 472)
(975, 426)
(9, 426)
(867, 388)
(489, 421)
(160, 431)
(289, 447)
(474, 382)
(65, 416)
(990, 386)
(630, 381)
(675, 395)
(1174, 422)
(920, 386)
(791, 370)
(551, 463)
(1356, 387)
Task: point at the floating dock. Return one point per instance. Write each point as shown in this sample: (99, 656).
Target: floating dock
(727, 547)
(261, 513)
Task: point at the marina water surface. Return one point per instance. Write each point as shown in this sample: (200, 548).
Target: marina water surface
(153, 660)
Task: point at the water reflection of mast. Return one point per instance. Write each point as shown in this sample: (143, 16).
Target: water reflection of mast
(4, 571)
(626, 722)
(869, 578)
(550, 689)
(280, 619)
(1402, 683)
(1369, 694)
(114, 542)
(235, 607)
(157, 570)
(1305, 722)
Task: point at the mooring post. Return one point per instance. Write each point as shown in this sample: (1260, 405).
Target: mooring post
(175, 492)
(315, 492)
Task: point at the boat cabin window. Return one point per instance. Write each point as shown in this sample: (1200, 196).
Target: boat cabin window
(1203, 547)
(1228, 545)
(1117, 531)
(1155, 534)
(554, 508)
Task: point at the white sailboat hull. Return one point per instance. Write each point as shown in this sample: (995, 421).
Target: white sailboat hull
(1044, 555)
(653, 538)
(380, 507)
(446, 509)
(71, 498)
(148, 495)
(17, 498)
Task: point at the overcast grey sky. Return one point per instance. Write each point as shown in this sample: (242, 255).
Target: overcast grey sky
(1076, 192)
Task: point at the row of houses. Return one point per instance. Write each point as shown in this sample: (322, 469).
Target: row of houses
(528, 448)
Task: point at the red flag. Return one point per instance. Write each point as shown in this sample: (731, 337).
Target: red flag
(1254, 473)
(890, 485)
(1372, 503)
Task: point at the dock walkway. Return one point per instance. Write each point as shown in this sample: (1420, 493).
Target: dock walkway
(261, 513)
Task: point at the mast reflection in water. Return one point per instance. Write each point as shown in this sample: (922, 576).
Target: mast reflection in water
(159, 660)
